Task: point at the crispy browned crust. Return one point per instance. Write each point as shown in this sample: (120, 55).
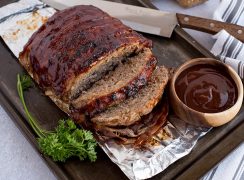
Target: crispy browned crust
(72, 42)
(103, 102)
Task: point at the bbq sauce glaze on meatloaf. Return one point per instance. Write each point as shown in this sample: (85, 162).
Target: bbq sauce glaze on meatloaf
(76, 47)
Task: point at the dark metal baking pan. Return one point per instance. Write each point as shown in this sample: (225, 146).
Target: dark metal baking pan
(171, 52)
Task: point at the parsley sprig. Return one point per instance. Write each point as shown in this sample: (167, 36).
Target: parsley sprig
(66, 141)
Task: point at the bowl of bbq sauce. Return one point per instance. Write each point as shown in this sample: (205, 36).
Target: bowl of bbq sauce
(206, 92)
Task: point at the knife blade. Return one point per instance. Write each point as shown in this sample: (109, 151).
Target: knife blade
(153, 21)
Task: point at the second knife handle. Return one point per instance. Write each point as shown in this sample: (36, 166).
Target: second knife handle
(210, 26)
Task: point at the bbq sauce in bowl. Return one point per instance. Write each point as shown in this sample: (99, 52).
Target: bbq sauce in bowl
(206, 88)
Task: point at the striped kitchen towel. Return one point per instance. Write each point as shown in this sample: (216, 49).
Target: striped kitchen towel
(230, 51)
(231, 168)
(226, 47)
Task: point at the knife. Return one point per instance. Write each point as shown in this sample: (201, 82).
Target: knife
(153, 21)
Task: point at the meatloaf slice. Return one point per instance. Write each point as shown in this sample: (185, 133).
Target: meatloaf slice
(132, 109)
(148, 125)
(76, 47)
(117, 85)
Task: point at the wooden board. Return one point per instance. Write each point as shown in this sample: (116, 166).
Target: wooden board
(170, 52)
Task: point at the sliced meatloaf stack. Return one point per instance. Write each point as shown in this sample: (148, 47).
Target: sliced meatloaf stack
(124, 81)
(97, 70)
(138, 117)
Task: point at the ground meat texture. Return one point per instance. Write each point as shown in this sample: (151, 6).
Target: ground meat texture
(131, 110)
(125, 81)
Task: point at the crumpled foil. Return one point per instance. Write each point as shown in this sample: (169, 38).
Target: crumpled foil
(18, 21)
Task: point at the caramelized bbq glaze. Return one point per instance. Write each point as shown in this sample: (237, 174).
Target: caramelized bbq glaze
(72, 41)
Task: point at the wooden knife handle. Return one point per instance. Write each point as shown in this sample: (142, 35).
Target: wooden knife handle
(210, 26)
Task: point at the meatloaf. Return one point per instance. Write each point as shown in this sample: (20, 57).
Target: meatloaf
(100, 72)
(76, 47)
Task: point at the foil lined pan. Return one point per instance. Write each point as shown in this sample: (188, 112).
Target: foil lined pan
(18, 21)
(175, 140)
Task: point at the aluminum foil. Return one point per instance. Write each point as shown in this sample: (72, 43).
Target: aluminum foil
(18, 21)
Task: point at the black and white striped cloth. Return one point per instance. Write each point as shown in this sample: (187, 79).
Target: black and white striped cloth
(230, 51)
(226, 47)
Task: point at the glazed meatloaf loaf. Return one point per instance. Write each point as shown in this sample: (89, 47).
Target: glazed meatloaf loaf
(76, 47)
(100, 72)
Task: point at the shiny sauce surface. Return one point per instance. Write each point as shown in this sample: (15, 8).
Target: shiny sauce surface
(72, 41)
(206, 88)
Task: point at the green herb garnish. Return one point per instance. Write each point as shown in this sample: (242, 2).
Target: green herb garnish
(67, 140)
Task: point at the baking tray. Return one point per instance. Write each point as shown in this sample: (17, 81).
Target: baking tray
(171, 52)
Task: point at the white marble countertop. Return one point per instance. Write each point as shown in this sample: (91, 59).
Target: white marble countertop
(19, 161)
